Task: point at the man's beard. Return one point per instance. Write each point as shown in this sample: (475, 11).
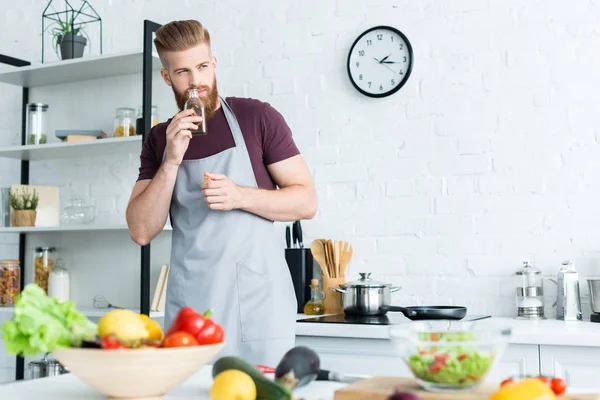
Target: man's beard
(210, 100)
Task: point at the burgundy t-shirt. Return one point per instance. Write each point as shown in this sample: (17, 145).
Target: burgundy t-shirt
(268, 139)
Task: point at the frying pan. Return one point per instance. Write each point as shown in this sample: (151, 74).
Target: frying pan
(417, 313)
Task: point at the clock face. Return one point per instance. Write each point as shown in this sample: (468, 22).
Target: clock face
(380, 61)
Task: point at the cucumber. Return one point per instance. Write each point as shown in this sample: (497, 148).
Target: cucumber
(265, 388)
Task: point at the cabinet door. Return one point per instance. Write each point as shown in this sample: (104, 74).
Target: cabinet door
(518, 359)
(578, 365)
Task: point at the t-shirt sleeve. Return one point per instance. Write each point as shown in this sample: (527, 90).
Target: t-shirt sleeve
(277, 141)
(149, 162)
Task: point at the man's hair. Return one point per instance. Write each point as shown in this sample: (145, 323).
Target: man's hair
(179, 36)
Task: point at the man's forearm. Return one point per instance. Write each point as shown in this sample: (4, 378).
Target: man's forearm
(148, 212)
(291, 203)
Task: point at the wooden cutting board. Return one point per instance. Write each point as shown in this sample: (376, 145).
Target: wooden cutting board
(380, 388)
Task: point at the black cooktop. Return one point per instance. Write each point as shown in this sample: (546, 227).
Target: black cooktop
(389, 319)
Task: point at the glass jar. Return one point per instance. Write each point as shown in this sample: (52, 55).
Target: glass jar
(37, 123)
(196, 103)
(124, 122)
(43, 263)
(10, 281)
(529, 292)
(78, 211)
(153, 114)
(59, 283)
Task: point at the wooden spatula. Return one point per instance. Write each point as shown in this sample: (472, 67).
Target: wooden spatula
(345, 256)
(318, 252)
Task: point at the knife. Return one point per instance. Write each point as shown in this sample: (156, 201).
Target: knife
(299, 234)
(325, 375)
(288, 239)
(294, 235)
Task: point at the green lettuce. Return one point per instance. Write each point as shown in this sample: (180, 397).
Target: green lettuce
(41, 324)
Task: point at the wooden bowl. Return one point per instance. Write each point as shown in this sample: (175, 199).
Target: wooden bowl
(136, 373)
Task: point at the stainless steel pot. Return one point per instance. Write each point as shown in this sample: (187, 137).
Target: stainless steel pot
(45, 368)
(365, 296)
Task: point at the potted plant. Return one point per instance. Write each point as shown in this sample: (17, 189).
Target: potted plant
(70, 38)
(24, 207)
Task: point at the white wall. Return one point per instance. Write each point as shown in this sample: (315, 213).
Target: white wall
(488, 156)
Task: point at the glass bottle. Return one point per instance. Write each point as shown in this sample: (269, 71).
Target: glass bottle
(196, 103)
(10, 281)
(315, 305)
(124, 122)
(37, 123)
(59, 283)
(43, 263)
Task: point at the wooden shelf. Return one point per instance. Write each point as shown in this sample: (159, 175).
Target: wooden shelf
(94, 312)
(78, 69)
(70, 228)
(81, 149)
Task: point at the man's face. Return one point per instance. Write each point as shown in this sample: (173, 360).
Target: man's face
(193, 68)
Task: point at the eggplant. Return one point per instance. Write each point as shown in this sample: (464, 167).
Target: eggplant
(298, 367)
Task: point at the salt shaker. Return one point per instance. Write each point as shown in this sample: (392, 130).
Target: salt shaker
(568, 306)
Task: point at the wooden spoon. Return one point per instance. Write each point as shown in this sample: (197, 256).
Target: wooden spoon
(345, 256)
(329, 249)
(318, 252)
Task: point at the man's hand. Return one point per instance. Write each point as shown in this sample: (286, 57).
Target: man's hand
(179, 135)
(220, 193)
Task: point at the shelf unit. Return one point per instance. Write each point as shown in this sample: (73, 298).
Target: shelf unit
(93, 312)
(103, 66)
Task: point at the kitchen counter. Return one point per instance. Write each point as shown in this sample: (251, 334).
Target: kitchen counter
(68, 387)
(544, 332)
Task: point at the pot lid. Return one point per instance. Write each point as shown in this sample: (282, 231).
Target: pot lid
(365, 281)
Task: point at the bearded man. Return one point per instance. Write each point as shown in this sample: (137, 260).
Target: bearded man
(223, 191)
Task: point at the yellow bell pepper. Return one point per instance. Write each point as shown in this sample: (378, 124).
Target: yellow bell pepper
(527, 389)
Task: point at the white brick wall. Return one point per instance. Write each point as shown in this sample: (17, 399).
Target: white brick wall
(487, 156)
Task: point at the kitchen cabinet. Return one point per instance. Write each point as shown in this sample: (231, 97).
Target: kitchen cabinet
(578, 365)
(378, 357)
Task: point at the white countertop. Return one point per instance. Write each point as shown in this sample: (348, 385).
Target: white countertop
(68, 387)
(543, 332)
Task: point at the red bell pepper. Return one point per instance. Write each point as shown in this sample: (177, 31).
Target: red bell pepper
(204, 329)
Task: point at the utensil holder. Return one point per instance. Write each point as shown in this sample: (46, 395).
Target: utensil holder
(333, 300)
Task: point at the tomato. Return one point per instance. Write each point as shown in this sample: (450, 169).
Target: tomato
(109, 342)
(558, 386)
(265, 370)
(462, 357)
(436, 367)
(506, 381)
(180, 339)
(441, 358)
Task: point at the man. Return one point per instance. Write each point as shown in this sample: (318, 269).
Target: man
(219, 190)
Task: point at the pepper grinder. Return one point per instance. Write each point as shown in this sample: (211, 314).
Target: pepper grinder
(529, 292)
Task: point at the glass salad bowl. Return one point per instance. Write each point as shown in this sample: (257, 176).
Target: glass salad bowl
(449, 356)
(78, 211)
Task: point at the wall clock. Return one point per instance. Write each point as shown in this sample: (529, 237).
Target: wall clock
(380, 61)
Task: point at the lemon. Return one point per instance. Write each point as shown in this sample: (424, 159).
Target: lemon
(233, 385)
(124, 324)
(154, 330)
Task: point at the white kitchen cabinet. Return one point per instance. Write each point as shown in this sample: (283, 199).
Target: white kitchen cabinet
(518, 359)
(579, 365)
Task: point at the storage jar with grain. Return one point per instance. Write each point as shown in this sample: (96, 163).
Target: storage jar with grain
(43, 262)
(124, 122)
(10, 281)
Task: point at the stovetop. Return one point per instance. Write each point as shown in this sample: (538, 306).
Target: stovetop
(388, 319)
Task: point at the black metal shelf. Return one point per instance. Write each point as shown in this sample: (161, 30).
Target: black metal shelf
(147, 68)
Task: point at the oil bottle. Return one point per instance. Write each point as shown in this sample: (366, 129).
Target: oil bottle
(315, 305)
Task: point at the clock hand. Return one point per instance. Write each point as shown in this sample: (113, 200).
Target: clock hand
(389, 62)
(384, 58)
(387, 66)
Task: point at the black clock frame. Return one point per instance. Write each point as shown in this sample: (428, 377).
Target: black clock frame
(408, 69)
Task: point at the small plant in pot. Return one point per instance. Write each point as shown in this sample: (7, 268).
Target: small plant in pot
(24, 207)
(70, 38)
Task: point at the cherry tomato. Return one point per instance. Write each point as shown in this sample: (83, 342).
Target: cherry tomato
(558, 386)
(180, 339)
(110, 342)
(265, 369)
(506, 381)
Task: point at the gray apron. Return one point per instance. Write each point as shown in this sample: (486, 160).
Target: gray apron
(230, 261)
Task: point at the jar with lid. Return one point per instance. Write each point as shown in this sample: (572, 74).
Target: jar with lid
(59, 283)
(529, 292)
(10, 281)
(43, 263)
(37, 123)
(153, 114)
(124, 122)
